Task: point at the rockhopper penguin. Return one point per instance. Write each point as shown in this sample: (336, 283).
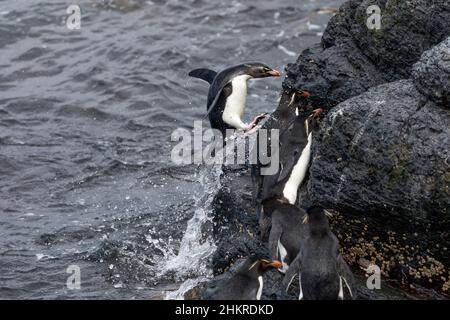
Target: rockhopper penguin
(245, 284)
(300, 169)
(228, 94)
(287, 231)
(295, 156)
(322, 272)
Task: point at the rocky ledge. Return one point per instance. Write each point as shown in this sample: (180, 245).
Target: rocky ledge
(382, 157)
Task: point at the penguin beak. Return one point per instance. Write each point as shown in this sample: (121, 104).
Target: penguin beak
(305, 94)
(276, 264)
(274, 73)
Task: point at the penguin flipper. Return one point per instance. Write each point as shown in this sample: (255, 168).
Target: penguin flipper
(204, 74)
(274, 238)
(227, 89)
(346, 274)
(290, 164)
(293, 270)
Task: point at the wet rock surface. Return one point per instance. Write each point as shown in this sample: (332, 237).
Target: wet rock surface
(236, 232)
(383, 155)
(352, 58)
(384, 150)
(431, 74)
(381, 159)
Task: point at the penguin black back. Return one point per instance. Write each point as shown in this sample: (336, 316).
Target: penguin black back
(322, 271)
(245, 284)
(287, 232)
(293, 140)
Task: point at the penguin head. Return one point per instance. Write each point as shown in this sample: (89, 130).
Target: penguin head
(312, 121)
(317, 219)
(269, 205)
(315, 211)
(260, 70)
(257, 266)
(319, 257)
(321, 238)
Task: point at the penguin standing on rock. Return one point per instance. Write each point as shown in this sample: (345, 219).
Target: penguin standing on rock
(290, 119)
(287, 231)
(322, 272)
(245, 284)
(228, 94)
(297, 174)
(295, 157)
(293, 139)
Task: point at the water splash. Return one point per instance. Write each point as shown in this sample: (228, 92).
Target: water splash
(194, 249)
(191, 263)
(184, 288)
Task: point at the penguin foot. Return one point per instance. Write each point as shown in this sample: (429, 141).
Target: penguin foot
(317, 112)
(252, 130)
(284, 268)
(257, 120)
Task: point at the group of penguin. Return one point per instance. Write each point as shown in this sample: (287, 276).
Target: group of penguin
(301, 243)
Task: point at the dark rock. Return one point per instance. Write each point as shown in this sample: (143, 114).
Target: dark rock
(383, 150)
(196, 292)
(384, 156)
(235, 222)
(431, 74)
(236, 235)
(331, 75)
(352, 58)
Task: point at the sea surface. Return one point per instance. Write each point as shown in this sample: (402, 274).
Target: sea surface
(87, 184)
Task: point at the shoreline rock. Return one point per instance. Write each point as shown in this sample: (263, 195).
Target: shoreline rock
(382, 156)
(352, 58)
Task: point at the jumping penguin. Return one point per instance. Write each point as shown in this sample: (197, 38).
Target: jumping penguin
(323, 274)
(246, 284)
(228, 94)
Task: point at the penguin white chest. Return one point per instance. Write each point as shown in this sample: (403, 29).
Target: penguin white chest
(260, 288)
(282, 253)
(235, 104)
(298, 173)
